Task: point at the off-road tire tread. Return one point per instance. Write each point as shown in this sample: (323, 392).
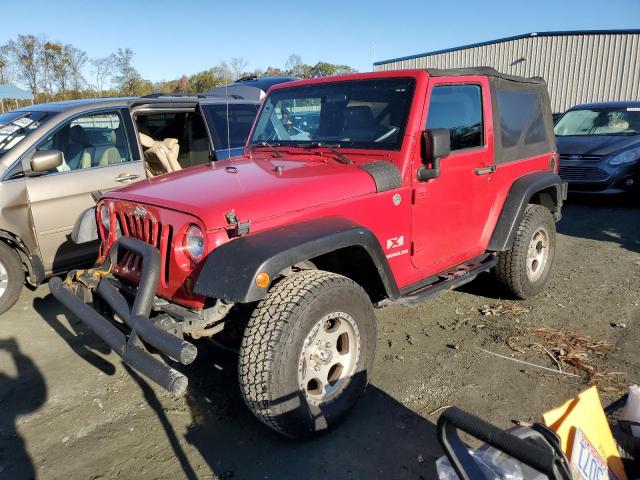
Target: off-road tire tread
(508, 269)
(262, 340)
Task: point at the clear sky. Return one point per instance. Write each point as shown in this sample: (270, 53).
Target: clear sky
(171, 38)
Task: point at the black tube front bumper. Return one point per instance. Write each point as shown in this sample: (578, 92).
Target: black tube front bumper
(131, 347)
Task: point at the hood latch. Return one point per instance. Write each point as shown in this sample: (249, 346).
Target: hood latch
(234, 227)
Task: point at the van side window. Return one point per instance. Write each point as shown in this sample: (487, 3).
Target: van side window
(458, 108)
(95, 140)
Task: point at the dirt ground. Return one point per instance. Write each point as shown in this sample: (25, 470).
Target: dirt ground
(69, 408)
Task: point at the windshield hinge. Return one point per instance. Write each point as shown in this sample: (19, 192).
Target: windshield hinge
(234, 227)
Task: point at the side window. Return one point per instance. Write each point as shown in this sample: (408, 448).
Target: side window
(458, 108)
(95, 140)
(521, 118)
(241, 117)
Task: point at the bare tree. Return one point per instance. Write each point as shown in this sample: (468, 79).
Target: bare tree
(26, 51)
(222, 70)
(127, 75)
(294, 65)
(103, 71)
(238, 65)
(76, 59)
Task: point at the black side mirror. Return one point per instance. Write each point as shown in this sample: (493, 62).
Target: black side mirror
(46, 160)
(435, 144)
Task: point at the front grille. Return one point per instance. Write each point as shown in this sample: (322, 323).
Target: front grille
(151, 231)
(588, 158)
(572, 173)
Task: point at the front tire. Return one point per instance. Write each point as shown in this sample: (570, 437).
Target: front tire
(11, 277)
(307, 352)
(524, 269)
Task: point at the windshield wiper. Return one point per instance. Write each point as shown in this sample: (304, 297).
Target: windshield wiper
(333, 148)
(268, 145)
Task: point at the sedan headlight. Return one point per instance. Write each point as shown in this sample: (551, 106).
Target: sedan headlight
(105, 217)
(628, 156)
(194, 243)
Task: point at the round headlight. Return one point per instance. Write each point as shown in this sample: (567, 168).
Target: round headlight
(627, 156)
(194, 243)
(105, 217)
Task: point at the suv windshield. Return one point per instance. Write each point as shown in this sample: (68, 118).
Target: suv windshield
(599, 121)
(17, 125)
(367, 114)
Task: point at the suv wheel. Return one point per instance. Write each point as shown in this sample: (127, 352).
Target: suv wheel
(11, 277)
(307, 352)
(524, 269)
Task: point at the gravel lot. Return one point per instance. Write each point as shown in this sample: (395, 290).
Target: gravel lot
(70, 409)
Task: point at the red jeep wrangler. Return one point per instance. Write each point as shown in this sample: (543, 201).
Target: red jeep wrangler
(353, 191)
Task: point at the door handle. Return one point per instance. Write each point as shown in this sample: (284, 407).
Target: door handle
(125, 177)
(485, 170)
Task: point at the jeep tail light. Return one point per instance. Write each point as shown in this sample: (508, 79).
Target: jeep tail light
(193, 243)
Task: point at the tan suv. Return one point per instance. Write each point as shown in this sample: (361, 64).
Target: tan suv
(53, 156)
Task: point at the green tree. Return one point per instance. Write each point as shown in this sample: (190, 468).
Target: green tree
(204, 81)
(51, 56)
(6, 73)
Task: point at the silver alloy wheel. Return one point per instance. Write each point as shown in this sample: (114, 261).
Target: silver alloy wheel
(329, 357)
(4, 279)
(537, 254)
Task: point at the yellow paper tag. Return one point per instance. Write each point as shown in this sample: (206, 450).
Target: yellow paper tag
(585, 412)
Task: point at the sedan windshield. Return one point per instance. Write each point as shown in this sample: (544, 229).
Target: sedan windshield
(16, 126)
(599, 121)
(369, 114)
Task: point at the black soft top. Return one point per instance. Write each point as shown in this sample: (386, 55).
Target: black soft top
(486, 71)
(523, 124)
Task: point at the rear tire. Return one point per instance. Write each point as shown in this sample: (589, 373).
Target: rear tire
(307, 352)
(11, 277)
(524, 269)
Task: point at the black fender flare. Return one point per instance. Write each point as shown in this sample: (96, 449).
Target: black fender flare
(519, 196)
(230, 270)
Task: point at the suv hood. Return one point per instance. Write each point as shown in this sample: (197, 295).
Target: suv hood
(253, 188)
(595, 144)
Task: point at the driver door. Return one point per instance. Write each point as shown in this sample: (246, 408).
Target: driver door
(450, 212)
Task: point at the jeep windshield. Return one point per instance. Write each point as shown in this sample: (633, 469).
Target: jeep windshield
(16, 126)
(599, 121)
(367, 114)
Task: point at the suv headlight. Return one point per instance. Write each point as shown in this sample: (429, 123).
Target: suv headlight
(628, 156)
(105, 217)
(193, 243)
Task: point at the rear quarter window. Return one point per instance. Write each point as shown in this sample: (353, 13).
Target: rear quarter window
(521, 118)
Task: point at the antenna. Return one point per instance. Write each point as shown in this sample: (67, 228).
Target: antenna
(226, 94)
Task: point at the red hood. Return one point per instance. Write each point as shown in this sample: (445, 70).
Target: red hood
(253, 188)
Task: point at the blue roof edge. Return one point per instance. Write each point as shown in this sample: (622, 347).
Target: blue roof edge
(509, 39)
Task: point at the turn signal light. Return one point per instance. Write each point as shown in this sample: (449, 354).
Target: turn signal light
(263, 279)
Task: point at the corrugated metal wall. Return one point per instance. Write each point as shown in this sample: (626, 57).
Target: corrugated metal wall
(579, 68)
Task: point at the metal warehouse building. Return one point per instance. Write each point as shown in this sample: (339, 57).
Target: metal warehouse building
(579, 67)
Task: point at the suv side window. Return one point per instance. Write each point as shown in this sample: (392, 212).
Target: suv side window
(241, 117)
(94, 140)
(458, 108)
